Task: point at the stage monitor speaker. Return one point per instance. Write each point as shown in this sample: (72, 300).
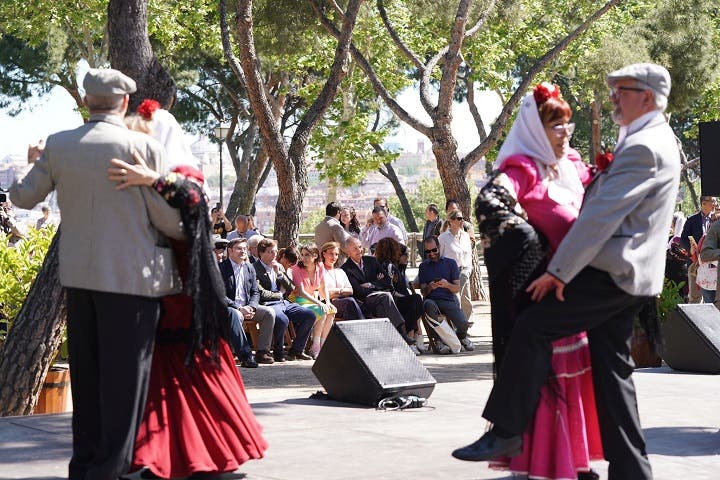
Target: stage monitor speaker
(709, 140)
(364, 361)
(692, 338)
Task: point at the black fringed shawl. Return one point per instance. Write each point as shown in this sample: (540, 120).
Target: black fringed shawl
(203, 282)
(515, 254)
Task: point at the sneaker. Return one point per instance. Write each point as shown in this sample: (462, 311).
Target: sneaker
(441, 348)
(467, 344)
(414, 349)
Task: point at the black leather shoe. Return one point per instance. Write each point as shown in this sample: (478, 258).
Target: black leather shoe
(279, 358)
(591, 475)
(488, 447)
(293, 355)
(249, 362)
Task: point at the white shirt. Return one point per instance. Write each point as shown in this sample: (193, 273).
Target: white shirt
(635, 125)
(459, 247)
(240, 296)
(398, 223)
(336, 278)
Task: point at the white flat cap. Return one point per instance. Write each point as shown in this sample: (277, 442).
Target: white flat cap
(106, 81)
(652, 75)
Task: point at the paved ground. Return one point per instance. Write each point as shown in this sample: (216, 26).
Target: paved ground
(314, 439)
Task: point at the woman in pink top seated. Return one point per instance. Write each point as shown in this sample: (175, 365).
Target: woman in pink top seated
(547, 179)
(308, 275)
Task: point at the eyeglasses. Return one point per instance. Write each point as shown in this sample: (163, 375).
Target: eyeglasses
(431, 250)
(615, 91)
(562, 129)
(459, 218)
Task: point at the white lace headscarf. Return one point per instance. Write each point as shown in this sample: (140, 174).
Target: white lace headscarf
(527, 137)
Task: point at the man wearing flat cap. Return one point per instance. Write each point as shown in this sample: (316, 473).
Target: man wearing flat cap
(606, 267)
(114, 266)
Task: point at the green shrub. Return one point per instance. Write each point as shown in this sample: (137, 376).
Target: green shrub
(19, 266)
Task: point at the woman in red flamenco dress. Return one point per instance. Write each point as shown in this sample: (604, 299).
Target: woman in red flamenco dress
(197, 417)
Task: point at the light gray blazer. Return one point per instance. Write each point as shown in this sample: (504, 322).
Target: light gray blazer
(623, 224)
(110, 238)
(331, 230)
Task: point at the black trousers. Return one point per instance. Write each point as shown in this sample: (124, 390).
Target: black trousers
(110, 339)
(593, 303)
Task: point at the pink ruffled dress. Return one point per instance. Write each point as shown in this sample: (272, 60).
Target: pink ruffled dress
(564, 435)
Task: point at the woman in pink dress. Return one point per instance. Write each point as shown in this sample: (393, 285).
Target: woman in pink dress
(541, 180)
(308, 275)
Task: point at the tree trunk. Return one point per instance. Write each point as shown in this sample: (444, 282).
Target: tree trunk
(33, 340)
(131, 53)
(389, 173)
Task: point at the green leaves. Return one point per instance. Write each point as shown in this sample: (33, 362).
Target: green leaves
(19, 266)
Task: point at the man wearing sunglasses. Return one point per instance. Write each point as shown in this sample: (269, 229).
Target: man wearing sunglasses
(607, 266)
(439, 284)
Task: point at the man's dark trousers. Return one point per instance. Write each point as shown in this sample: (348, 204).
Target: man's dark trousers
(595, 304)
(302, 318)
(110, 341)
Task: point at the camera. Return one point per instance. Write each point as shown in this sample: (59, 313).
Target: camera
(3, 197)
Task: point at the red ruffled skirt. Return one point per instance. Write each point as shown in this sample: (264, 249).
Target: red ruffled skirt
(196, 419)
(564, 435)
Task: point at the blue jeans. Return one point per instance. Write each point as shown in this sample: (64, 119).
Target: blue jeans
(708, 296)
(303, 319)
(451, 310)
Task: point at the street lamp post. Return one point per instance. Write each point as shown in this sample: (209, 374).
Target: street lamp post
(221, 132)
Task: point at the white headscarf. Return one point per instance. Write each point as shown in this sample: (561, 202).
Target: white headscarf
(167, 131)
(527, 137)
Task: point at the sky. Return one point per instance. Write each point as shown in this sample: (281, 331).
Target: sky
(55, 112)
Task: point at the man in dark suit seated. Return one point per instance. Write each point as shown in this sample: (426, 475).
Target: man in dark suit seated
(368, 280)
(243, 294)
(274, 285)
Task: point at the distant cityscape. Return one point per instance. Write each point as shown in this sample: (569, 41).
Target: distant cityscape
(410, 167)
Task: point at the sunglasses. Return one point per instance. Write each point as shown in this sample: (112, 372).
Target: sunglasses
(459, 218)
(432, 250)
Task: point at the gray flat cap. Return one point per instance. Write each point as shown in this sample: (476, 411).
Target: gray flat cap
(652, 75)
(107, 81)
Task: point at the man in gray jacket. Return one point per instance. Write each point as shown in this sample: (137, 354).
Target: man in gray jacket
(113, 264)
(606, 267)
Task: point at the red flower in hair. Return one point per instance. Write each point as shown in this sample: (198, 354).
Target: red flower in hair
(543, 91)
(603, 159)
(147, 108)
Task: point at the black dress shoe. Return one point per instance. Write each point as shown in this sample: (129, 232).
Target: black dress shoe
(488, 447)
(591, 475)
(293, 355)
(249, 362)
(279, 358)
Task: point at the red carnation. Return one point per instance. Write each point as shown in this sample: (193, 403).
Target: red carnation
(603, 160)
(543, 91)
(147, 108)
(193, 198)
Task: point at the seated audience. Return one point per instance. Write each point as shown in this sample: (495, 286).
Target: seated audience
(338, 285)
(275, 286)
(369, 287)
(309, 278)
(387, 252)
(243, 294)
(439, 283)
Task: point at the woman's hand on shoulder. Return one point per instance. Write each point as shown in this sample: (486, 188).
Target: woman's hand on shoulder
(128, 175)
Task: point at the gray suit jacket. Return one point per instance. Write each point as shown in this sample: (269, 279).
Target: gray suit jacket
(331, 230)
(110, 239)
(623, 223)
